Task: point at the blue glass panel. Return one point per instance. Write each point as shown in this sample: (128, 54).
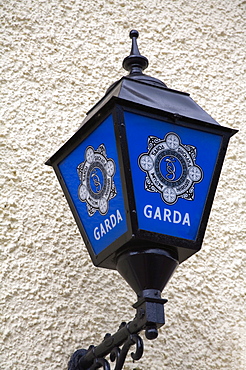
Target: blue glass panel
(91, 174)
(172, 168)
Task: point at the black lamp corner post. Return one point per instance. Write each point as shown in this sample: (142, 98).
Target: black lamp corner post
(140, 182)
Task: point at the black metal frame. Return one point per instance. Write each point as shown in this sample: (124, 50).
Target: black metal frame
(149, 317)
(106, 258)
(134, 236)
(188, 247)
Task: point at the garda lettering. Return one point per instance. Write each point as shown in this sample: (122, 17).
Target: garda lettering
(167, 215)
(108, 224)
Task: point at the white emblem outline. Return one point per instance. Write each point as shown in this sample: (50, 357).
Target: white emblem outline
(99, 170)
(171, 150)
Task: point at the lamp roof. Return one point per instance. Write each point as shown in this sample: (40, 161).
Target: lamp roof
(139, 88)
(153, 96)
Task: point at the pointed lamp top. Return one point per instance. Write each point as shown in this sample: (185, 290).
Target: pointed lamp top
(135, 63)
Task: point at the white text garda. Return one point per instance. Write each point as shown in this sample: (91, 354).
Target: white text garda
(166, 215)
(108, 224)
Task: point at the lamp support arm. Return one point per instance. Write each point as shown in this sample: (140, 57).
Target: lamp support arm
(149, 317)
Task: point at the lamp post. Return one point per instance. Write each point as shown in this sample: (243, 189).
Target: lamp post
(140, 176)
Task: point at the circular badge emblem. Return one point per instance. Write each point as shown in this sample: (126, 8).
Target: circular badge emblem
(96, 180)
(170, 168)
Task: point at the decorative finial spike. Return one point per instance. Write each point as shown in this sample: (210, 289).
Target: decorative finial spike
(135, 62)
(134, 33)
(133, 36)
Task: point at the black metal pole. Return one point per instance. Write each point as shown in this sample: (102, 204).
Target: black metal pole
(149, 317)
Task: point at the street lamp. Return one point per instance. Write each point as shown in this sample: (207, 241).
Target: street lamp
(140, 176)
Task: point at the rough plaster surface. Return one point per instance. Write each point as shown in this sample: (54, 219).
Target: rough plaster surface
(57, 59)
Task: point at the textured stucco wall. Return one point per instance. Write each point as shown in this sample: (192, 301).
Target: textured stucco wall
(57, 59)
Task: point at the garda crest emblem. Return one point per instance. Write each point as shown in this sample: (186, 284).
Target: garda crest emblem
(170, 168)
(96, 176)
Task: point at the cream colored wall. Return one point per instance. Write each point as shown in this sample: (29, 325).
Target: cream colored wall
(57, 59)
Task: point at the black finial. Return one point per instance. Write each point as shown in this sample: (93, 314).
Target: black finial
(135, 62)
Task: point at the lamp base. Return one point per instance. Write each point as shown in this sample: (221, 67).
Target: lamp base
(150, 308)
(147, 271)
